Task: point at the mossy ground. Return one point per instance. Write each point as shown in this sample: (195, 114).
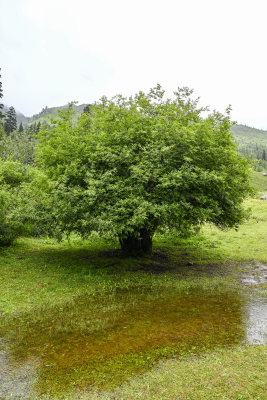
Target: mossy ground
(228, 374)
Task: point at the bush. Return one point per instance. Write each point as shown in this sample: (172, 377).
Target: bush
(7, 234)
(9, 229)
(24, 202)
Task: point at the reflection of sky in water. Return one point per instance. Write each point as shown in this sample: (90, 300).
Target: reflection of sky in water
(16, 381)
(258, 276)
(256, 321)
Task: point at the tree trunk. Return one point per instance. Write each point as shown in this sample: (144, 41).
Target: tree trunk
(135, 245)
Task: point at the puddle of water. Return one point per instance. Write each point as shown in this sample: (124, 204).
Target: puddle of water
(256, 310)
(16, 381)
(135, 337)
(256, 321)
(148, 331)
(257, 277)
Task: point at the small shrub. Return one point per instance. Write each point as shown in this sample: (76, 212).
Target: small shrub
(7, 234)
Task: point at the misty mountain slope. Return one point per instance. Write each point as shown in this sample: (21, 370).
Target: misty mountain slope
(246, 135)
(45, 114)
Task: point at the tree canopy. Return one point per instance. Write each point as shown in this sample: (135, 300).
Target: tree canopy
(136, 165)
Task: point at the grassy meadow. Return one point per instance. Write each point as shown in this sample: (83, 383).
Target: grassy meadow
(95, 324)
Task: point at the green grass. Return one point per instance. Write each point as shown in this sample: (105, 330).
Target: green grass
(232, 374)
(75, 300)
(248, 243)
(260, 182)
(212, 245)
(41, 273)
(53, 297)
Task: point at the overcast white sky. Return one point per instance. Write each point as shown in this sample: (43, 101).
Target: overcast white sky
(56, 51)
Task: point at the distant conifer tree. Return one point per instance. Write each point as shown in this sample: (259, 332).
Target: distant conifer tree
(21, 128)
(37, 127)
(87, 108)
(34, 128)
(10, 123)
(1, 105)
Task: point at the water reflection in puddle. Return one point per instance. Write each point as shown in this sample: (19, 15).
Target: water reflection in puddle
(149, 330)
(256, 321)
(16, 379)
(257, 277)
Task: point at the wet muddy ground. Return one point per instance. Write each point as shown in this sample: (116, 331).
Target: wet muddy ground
(70, 347)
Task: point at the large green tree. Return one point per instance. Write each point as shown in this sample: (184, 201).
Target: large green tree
(136, 165)
(10, 124)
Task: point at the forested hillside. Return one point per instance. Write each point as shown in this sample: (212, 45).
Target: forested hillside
(45, 114)
(253, 143)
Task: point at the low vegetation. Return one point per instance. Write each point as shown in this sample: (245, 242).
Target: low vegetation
(226, 374)
(259, 180)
